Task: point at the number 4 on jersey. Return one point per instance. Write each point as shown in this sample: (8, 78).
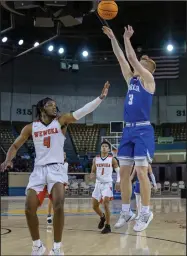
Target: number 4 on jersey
(47, 142)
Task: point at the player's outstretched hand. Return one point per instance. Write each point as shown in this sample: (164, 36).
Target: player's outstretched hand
(128, 32)
(104, 92)
(107, 31)
(117, 186)
(6, 165)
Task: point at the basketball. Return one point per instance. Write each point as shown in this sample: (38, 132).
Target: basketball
(107, 10)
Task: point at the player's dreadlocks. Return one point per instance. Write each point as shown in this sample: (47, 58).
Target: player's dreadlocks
(40, 106)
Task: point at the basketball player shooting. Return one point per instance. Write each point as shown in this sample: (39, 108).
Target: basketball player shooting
(137, 188)
(102, 168)
(137, 143)
(49, 166)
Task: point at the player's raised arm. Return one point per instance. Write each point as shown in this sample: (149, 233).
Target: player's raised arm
(125, 67)
(21, 139)
(146, 69)
(88, 108)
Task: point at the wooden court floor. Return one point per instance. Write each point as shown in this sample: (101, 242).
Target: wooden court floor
(166, 235)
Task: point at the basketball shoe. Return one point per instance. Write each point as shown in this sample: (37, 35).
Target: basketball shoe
(137, 217)
(38, 250)
(124, 218)
(106, 229)
(56, 251)
(143, 222)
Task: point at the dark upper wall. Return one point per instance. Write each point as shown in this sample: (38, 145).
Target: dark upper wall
(39, 75)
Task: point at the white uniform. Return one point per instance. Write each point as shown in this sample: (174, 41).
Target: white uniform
(49, 165)
(103, 186)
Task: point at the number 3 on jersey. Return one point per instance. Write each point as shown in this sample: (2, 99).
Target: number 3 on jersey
(130, 102)
(47, 142)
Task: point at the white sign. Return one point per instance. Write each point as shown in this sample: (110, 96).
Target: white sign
(176, 114)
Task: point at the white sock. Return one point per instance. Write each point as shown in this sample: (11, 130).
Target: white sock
(37, 243)
(57, 245)
(125, 207)
(145, 209)
(138, 203)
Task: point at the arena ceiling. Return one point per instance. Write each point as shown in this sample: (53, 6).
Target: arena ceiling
(155, 23)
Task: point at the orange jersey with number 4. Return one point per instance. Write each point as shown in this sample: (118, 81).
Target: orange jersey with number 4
(48, 142)
(104, 169)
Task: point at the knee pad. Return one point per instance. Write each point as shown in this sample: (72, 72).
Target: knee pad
(142, 162)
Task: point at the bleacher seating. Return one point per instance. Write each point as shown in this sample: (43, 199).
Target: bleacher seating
(84, 137)
(108, 131)
(178, 131)
(18, 128)
(6, 135)
(158, 131)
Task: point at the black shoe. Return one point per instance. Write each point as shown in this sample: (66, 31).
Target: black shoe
(102, 222)
(106, 229)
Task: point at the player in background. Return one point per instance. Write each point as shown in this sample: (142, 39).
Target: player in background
(50, 205)
(102, 169)
(137, 143)
(137, 188)
(49, 165)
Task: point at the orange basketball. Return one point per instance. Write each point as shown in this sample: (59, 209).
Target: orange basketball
(107, 10)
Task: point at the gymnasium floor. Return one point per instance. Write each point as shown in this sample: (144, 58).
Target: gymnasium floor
(166, 234)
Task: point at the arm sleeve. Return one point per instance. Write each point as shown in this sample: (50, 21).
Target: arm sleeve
(88, 108)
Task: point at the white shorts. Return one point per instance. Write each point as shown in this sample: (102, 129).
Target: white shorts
(102, 190)
(47, 175)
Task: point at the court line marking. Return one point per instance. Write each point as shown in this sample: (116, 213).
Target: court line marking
(116, 233)
(7, 231)
(121, 233)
